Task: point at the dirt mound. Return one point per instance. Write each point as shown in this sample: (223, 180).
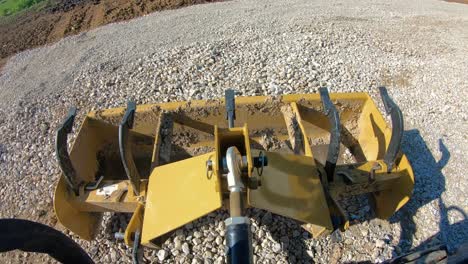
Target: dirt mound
(63, 18)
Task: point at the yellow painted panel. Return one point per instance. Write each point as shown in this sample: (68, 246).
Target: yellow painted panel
(374, 135)
(83, 224)
(134, 225)
(179, 193)
(389, 201)
(291, 187)
(374, 140)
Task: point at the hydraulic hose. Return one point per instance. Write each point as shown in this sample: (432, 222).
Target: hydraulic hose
(239, 243)
(35, 237)
(238, 234)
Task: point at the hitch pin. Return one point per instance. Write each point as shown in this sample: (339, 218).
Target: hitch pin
(375, 167)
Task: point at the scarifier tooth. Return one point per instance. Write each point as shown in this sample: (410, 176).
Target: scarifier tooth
(125, 149)
(61, 151)
(229, 97)
(335, 133)
(396, 115)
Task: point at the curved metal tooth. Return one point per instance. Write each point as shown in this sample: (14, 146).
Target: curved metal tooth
(61, 151)
(229, 100)
(125, 147)
(396, 115)
(335, 133)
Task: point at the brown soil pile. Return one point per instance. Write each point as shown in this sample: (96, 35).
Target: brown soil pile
(58, 19)
(458, 1)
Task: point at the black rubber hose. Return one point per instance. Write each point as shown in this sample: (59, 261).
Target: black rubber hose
(34, 237)
(239, 244)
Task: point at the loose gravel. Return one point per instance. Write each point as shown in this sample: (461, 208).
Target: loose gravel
(418, 49)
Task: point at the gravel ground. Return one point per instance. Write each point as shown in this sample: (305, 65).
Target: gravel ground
(419, 49)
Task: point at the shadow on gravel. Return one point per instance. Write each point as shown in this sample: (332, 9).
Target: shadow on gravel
(286, 232)
(429, 186)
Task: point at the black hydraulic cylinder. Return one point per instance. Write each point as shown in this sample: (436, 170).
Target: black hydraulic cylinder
(239, 244)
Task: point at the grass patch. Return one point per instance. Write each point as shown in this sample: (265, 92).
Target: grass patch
(10, 7)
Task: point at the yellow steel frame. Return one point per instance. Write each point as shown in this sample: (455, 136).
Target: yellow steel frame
(180, 192)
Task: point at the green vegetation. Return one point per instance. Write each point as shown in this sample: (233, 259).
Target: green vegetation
(10, 7)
